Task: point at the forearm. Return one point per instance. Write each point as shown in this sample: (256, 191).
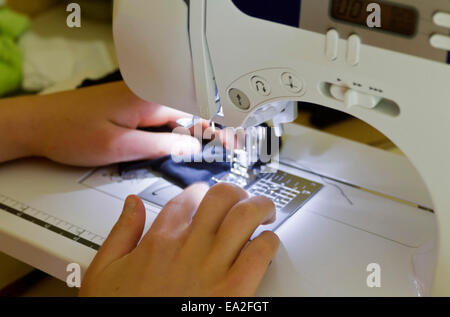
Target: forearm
(17, 127)
(54, 125)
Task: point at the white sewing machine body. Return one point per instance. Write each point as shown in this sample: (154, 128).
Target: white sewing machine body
(374, 206)
(395, 78)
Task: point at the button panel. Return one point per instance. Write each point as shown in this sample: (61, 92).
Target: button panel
(265, 86)
(433, 17)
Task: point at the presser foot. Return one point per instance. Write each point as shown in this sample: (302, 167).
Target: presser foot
(244, 179)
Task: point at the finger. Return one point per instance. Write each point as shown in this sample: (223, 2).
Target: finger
(129, 145)
(210, 214)
(232, 138)
(203, 131)
(128, 110)
(214, 207)
(177, 214)
(237, 228)
(151, 114)
(124, 236)
(251, 265)
(201, 125)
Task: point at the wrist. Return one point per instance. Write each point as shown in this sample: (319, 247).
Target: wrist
(20, 127)
(34, 110)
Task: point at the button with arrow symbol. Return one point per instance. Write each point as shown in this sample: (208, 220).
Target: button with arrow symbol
(239, 99)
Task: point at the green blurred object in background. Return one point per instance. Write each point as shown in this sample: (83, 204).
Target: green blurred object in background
(10, 66)
(12, 26)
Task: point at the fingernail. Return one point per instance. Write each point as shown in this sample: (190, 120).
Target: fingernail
(200, 188)
(130, 203)
(203, 185)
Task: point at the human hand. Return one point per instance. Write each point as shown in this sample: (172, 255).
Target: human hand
(197, 246)
(97, 126)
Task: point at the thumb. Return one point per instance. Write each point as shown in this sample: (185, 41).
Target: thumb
(124, 236)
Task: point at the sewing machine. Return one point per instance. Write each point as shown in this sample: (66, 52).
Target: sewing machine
(220, 60)
(393, 76)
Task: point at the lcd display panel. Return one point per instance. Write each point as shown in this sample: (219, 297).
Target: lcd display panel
(394, 18)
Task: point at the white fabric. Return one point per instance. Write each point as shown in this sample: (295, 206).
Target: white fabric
(58, 58)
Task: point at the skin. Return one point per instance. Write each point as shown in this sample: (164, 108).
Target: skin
(197, 246)
(88, 127)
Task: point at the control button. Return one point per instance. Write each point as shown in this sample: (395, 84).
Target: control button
(440, 41)
(260, 85)
(442, 19)
(355, 98)
(291, 83)
(338, 92)
(353, 50)
(239, 99)
(332, 44)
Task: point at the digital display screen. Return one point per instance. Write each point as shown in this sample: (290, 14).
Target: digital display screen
(394, 18)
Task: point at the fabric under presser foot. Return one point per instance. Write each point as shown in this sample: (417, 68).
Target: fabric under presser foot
(182, 174)
(288, 192)
(187, 173)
